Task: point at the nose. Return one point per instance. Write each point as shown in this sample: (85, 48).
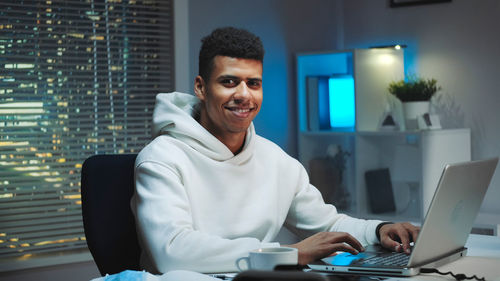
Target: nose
(242, 91)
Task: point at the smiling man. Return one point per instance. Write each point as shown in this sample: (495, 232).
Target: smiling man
(232, 96)
(209, 189)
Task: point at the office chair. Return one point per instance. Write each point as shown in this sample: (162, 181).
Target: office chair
(107, 186)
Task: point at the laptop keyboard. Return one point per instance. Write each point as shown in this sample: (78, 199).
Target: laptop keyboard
(394, 259)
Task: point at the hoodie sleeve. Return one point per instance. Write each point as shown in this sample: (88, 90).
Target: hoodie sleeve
(309, 214)
(165, 227)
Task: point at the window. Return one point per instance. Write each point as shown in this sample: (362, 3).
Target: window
(77, 78)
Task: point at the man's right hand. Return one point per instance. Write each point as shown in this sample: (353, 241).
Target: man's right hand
(324, 244)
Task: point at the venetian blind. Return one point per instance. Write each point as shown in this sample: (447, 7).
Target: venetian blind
(77, 78)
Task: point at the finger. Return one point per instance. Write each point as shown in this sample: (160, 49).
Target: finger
(404, 238)
(344, 247)
(349, 239)
(414, 233)
(389, 243)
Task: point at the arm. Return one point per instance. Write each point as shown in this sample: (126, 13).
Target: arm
(323, 244)
(394, 236)
(166, 228)
(326, 230)
(309, 214)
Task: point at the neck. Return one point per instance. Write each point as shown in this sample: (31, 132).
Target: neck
(233, 141)
(234, 144)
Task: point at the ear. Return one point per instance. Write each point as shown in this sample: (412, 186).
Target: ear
(200, 88)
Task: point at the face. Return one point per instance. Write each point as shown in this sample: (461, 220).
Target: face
(232, 97)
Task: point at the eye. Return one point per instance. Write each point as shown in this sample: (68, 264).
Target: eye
(229, 82)
(254, 83)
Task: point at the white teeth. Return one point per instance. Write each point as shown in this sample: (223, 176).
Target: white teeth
(240, 110)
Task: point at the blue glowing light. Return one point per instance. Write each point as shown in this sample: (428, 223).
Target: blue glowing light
(342, 102)
(344, 258)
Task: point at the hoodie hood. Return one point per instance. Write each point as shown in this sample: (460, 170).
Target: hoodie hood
(173, 116)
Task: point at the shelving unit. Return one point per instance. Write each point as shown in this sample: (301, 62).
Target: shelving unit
(415, 159)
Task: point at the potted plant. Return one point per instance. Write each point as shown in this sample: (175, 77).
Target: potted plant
(414, 89)
(415, 94)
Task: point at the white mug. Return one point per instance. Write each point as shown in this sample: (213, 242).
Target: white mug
(268, 258)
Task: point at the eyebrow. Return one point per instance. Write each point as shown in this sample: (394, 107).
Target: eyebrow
(227, 77)
(255, 79)
(237, 78)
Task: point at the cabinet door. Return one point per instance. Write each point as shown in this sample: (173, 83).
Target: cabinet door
(399, 154)
(329, 161)
(439, 148)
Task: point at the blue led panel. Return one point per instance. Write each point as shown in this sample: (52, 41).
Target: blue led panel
(342, 102)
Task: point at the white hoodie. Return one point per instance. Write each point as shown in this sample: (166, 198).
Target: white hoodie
(200, 207)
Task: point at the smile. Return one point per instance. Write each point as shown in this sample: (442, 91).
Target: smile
(240, 112)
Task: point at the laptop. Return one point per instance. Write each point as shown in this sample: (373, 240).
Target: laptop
(443, 235)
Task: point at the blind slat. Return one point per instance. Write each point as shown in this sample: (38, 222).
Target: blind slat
(27, 198)
(74, 216)
(69, 212)
(50, 225)
(35, 209)
(53, 247)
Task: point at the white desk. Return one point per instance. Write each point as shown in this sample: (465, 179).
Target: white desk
(483, 246)
(483, 260)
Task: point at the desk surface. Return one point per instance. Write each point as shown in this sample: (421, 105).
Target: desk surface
(483, 246)
(483, 260)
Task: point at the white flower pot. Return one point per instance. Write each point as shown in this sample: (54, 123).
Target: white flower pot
(412, 110)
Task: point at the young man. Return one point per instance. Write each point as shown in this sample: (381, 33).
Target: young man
(209, 189)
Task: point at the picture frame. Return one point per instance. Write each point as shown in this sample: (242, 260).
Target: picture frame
(405, 3)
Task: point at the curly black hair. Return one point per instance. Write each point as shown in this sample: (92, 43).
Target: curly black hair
(230, 42)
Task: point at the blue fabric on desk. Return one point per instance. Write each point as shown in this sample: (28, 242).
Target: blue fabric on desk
(128, 275)
(175, 275)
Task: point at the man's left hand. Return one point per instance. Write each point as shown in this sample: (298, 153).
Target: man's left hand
(397, 236)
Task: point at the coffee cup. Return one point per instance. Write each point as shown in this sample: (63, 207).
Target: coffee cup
(268, 258)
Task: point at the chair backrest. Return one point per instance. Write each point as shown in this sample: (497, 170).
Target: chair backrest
(107, 186)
